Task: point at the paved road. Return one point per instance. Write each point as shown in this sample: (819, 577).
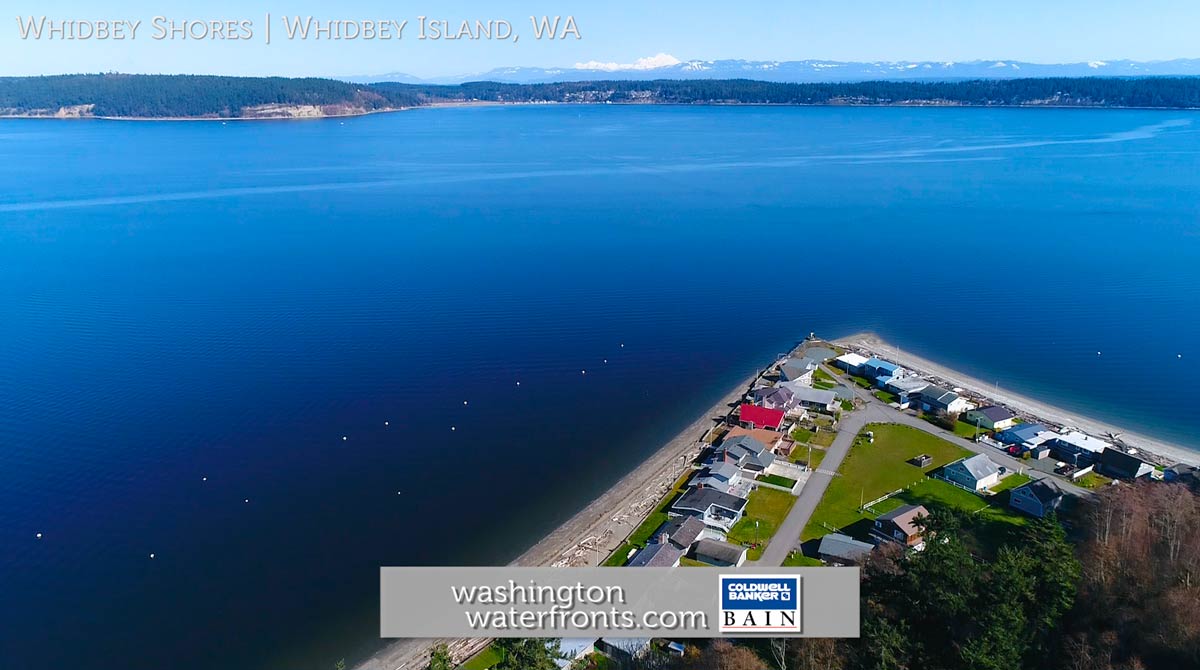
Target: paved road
(874, 410)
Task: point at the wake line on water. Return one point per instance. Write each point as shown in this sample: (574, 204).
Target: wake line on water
(1139, 133)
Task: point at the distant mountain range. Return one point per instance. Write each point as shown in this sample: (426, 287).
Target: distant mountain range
(664, 66)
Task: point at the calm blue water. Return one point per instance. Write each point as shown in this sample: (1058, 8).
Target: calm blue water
(190, 300)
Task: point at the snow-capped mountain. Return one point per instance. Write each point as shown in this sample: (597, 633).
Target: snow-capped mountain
(665, 66)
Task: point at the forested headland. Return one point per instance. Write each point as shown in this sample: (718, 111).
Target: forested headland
(194, 96)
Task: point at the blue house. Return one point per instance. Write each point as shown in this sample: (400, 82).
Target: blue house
(875, 368)
(1024, 433)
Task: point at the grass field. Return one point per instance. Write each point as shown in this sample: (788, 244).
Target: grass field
(768, 507)
(799, 560)
(777, 480)
(992, 522)
(483, 660)
(800, 454)
(886, 396)
(1011, 482)
(872, 470)
(1093, 481)
(967, 430)
(641, 535)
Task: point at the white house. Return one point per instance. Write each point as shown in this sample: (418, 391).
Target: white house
(976, 473)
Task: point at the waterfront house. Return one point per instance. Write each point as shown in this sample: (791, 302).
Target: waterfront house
(992, 417)
(720, 554)
(906, 389)
(717, 509)
(771, 438)
(657, 554)
(743, 451)
(1028, 435)
(723, 475)
(1183, 473)
(810, 398)
(975, 473)
(851, 362)
(841, 549)
(774, 397)
(1037, 498)
(936, 398)
(1120, 465)
(684, 531)
(798, 370)
(1076, 448)
(901, 526)
(874, 368)
(753, 416)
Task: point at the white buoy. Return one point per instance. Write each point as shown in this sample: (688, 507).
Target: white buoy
(247, 500)
(464, 403)
(39, 536)
(453, 427)
(397, 493)
(1097, 353)
(151, 554)
(606, 360)
(622, 345)
(386, 423)
(204, 479)
(344, 438)
(583, 372)
(1178, 355)
(518, 383)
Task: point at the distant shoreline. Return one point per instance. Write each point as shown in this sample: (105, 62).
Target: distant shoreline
(545, 103)
(1166, 453)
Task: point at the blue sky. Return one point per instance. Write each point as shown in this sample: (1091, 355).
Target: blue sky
(618, 31)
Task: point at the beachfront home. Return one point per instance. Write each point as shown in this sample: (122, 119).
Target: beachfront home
(839, 549)
(992, 417)
(906, 389)
(1120, 465)
(851, 362)
(901, 526)
(743, 451)
(1076, 448)
(753, 416)
(936, 398)
(684, 531)
(715, 508)
(774, 397)
(1037, 498)
(723, 475)
(976, 473)
(798, 370)
(657, 554)
(1027, 435)
(810, 398)
(1182, 473)
(720, 554)
(874, 368)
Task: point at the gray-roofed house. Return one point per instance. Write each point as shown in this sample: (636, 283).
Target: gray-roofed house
(906, 389)
(992, 417)
(720, 554)
(901, 526)
(716, 509)
(934, 398)
(1037, 498)
(657, 555)
(1120, 465)
(976, 473)
(842, 549)
(798, 370)
(745, 452)
(812, 398)
(682, 532)
(1182, 472)
(721, 475)
(775, 397)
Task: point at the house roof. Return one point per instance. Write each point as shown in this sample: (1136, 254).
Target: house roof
(1044, 490)
(657, 555)
(880, 364)
(1122, 464)
(793, 368)
(700, 499)
(819, 354)
(852, 360)
(682, 531)
(721, 551)
(1181, 469)
(1025, 432)
(938, 394)
(761, 416)
(778, 394)
(979, 466)
(721, 469)
(905, 518)
(806, 394)
(908, 384)
(843, 546)
(995, 413)
(1083, 441)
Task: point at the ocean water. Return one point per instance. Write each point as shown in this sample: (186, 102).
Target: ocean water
(278, 355)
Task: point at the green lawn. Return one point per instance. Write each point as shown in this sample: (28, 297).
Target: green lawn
(861, 381)
(799, 560)
(777, 480)
(820, 374)
(871, 470)
(768, 507)
(824, 438)
(1011, 482)
(1093, 481)
(641, 535)
(967, 430)
(887, 397)
(847, 405)
(485, 659)
(618, 557)
(800, 455)
(692, 563)
(802, 435)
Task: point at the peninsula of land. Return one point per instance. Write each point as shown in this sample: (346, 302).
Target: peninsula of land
(179, 97)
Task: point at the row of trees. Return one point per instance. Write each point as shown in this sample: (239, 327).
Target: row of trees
(152, 96)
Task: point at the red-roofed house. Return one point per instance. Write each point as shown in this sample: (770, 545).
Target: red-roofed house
(753, 416)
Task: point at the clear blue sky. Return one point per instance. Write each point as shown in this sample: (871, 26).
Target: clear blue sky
(620, 31)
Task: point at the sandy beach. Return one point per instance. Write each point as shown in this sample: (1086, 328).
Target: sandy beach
(587, 538)
(1164, 453)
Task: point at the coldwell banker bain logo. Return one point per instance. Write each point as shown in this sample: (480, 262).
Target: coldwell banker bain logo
(760, 604)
